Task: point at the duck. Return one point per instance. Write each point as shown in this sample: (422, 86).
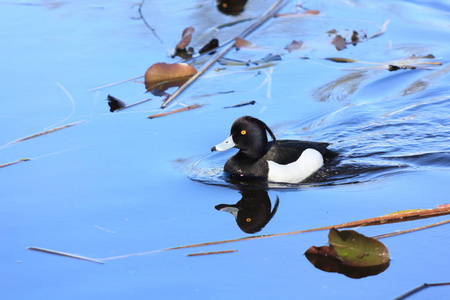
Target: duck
(281, 161)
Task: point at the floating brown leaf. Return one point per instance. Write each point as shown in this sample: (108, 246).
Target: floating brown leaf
(185, 38)
(242, 43)
(163, 76)
(324, 258)
(294, 45)
(339, 42)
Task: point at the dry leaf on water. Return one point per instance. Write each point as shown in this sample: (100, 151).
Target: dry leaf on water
(162, 76)
(242, 43)
(186, 38)
(339, 42)
(294, 45)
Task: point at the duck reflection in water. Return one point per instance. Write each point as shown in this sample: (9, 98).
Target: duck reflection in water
(253, 211)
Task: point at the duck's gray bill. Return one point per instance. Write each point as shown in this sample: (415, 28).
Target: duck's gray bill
(225, 145)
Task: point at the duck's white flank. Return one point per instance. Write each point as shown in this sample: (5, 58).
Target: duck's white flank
(307, 164)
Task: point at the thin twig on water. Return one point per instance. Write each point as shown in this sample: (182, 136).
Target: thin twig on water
(45, 132)
(210, 253)
(133, 104)
(381, 236)
(65, 254)
(14, 162)
(419, 288)
(391, 218)
(190, 107)
(115, 83)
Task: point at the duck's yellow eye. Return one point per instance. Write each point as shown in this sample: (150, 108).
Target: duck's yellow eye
(248, 220)
(243, 132)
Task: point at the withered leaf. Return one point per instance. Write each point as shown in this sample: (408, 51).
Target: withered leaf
(185, 38)
(324, 250)
(163, 76)
(294, 45)
(240, 43)
(339, 42)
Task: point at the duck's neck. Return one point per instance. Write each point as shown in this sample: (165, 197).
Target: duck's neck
(256, 150)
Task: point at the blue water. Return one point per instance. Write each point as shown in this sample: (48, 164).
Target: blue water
(120, 187)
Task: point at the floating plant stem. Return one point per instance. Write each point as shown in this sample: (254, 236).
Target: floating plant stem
(210, 253)
(45, 132)
(65, 254)
(190, 107)
(14, 162)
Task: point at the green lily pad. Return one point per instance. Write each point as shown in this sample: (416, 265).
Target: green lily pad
(357, 250)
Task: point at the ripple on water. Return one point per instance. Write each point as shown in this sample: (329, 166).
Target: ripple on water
(374, 140)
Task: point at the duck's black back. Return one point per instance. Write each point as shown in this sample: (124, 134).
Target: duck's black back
(287, 151)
